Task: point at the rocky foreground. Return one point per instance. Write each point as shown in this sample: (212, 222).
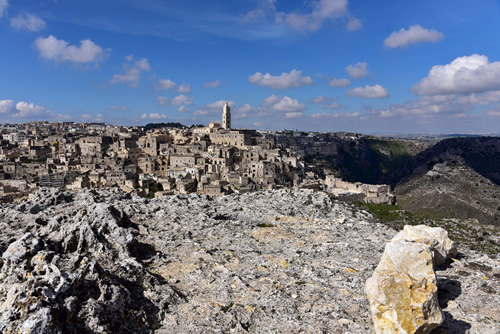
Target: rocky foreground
(288, 261)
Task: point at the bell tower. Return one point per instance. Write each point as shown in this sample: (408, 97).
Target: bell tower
(226, 117)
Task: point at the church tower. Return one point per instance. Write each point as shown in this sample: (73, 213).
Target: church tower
(226, 117)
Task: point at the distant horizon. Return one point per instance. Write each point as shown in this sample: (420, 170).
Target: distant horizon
(329, 65)
(379, 134)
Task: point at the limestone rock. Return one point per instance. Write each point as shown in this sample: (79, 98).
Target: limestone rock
(435, 237)
(281, 261)
(403, 290)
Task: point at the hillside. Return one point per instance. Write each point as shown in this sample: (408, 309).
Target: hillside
(451, 191)
(288, 261)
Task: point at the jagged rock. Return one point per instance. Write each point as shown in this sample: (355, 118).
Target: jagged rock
(435, 237)
(403, 290)
(282, 261)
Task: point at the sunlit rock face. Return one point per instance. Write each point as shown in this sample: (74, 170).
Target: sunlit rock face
(435, 237)
(403, 290)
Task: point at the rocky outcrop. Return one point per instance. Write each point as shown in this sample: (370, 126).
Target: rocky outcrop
(284, 261)
(403, 289)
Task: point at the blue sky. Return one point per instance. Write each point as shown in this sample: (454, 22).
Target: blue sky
(328, 65)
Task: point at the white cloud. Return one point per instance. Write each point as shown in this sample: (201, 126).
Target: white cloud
(358, 70)
(51, 48)
(28, 110)
(333, 82)
(415, 34)
(213, 108)
(169, 84)
(293, 79)
(3, 7)
(320, 99)
(184, 88)
(331, 105)
(464, 75)
(322, 11)
(184, 109)
(336, 115)
(153, 116)
(28, 22)
(294, 114)
(182, 99)
(427, 106)
(264, 8)
(163, 100)
(354, 24)
(368, 92)
(212, 84)
(6, 106)
(493, 113)
(328, 103)
(132, 72)
(166, 84)
(118, 108)
(176, 101)
(287, 104)
(25, 109)
(271, 100)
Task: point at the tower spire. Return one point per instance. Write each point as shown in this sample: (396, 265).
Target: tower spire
(226, 116)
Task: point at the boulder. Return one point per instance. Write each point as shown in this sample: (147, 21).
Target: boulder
(403, 292)
(435, 237)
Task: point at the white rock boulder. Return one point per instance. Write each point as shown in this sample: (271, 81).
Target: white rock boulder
(403, 291)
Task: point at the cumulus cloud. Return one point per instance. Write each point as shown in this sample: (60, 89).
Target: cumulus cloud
(287, 104)
(328, 103)
(169, 84)
(132, 72)
(294, 114)
(427, 106)
(176, 101)
(415, 34)
(331, 105)
(153, 116)
(28, 22)
(320, 99)
(464, 75)
(118, 108)
(293, 79)
(212, 84)
(182, 99)
(6, 106)
(27, 109)
(57, 50)
(357, 70)
(271, 100)
(322, 10)
(368, 92)
(336, 115)
(334, 82)
(3, 7)
(247, 109)
(213, 108)
(163, 100)
(354, 24)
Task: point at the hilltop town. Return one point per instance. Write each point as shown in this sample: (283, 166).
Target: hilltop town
(155, 161)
